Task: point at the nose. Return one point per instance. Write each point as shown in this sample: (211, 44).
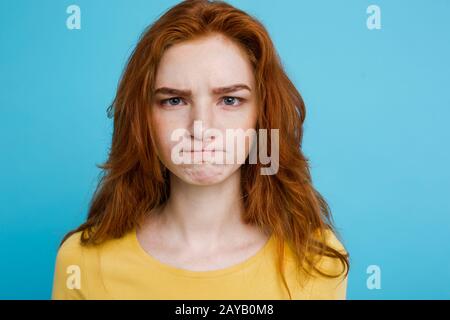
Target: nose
(201, 119)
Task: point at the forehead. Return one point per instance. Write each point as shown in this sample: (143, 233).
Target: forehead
(213, 60)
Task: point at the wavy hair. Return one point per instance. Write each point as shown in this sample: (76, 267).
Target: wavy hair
(133, 180)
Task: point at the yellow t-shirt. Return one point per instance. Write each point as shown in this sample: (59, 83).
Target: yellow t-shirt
(122, 269)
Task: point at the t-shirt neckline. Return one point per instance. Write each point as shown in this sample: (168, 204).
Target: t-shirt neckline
(149, 259)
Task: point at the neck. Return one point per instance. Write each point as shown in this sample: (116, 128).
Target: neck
(204, 216)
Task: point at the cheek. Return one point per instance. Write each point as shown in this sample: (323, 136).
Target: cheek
(238, 116)
(162, 129)
(250, 123)
(245, 120)
(164, 126)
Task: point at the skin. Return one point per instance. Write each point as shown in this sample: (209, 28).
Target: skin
(200, 227)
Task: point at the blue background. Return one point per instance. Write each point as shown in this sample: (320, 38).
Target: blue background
(377, 129)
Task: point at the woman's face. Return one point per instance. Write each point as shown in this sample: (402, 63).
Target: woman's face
(188, 104)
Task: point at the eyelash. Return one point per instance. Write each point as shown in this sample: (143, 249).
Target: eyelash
(240, 101)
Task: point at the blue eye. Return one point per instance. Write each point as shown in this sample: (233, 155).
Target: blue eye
(172, 101)
(230, 101)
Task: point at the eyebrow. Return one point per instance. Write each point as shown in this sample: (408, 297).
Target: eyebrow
(220, 90)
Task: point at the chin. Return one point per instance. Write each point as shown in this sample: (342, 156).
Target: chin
(204, 174)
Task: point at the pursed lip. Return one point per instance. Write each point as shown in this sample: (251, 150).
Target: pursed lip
(202, 150)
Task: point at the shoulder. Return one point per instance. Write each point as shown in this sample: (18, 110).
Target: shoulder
(333, 287)
(69, 266)
(333, 240)
(311, 283)
(81, 270)
(71, 251)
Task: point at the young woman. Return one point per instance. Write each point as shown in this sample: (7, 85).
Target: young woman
(159, 228)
